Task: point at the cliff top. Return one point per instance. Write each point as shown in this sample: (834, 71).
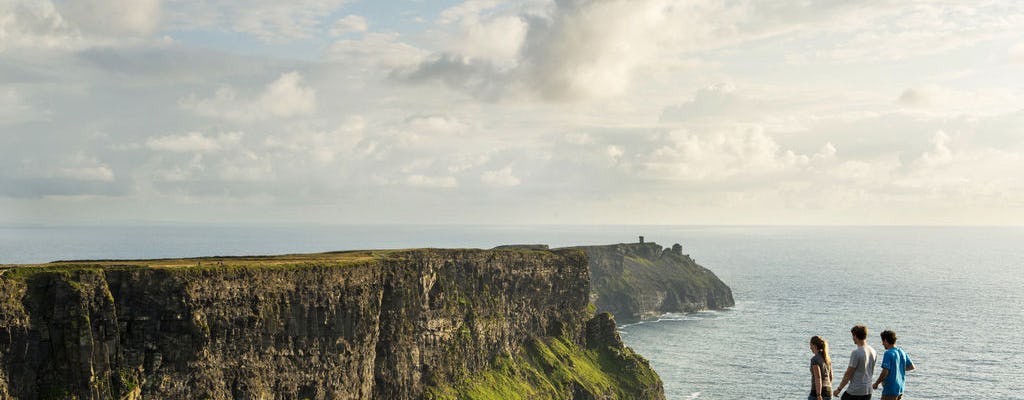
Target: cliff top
(335, 259)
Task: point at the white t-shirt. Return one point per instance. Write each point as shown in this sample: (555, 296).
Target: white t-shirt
(862, 359)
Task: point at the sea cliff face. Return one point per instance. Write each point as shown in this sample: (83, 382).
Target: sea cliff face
(354, 325)
(637, 280)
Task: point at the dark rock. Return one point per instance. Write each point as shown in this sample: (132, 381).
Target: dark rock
(637, 280)
(359, 325)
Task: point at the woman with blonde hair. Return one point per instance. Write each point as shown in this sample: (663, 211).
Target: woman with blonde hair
(821, 370)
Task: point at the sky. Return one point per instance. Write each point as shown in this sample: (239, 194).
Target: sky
(495, 112)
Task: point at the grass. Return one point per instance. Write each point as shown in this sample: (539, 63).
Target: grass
(554, 368)
(202, 264)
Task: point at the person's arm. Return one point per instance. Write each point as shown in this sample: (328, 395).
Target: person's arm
(816, 376)
(881, 378)
(910, 367)
(846, 379)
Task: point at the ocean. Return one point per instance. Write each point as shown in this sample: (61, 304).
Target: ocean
(953, 295)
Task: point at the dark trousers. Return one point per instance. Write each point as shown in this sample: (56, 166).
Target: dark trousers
(848, 396)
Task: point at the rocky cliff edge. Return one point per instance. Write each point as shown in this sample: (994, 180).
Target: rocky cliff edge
(637, 280)
(403, 324)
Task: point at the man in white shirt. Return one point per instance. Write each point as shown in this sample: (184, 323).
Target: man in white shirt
(861, 368)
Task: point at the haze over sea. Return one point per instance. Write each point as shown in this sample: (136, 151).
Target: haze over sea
(952, 294)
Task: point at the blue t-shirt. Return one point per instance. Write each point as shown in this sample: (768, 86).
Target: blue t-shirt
(896, 361)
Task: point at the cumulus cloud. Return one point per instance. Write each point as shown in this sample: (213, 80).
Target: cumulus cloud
(194, 142)
(744, 150)
(580, 49)
(283, 98)
(349, 24)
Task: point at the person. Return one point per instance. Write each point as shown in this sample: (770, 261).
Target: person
(821, 370)
(861, 368)
(895, 364)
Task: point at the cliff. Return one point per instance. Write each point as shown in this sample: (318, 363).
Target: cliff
(354, 325)
(637, 280)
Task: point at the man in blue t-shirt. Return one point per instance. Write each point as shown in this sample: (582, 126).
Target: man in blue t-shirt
(895, 364)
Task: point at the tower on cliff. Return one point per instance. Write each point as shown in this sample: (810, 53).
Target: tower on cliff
(641, 240)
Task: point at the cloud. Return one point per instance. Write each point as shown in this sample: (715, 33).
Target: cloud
(742, 151)
(267, 20)
(80, 167)
(1016, 54)
(283, 98)
(940, 99)
(715, 100)
(501, 177)
(923, 29)
(321, 145)
(375, 50)
(444, 182)
(349, 24)
(100, 173)
(194, 142)
(14, 108)
(581, 49)
(921, 95)
(114, 17)
(34, 25)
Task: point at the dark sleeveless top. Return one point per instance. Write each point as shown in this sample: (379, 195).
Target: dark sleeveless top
(826, 375)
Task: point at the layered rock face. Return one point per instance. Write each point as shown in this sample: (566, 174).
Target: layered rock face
(637, 280)
(355, 325)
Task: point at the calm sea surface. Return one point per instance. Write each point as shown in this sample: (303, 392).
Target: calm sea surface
(955, 296)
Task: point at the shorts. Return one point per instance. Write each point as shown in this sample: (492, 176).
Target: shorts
(848, 396)
(824, 396)
(892, 397)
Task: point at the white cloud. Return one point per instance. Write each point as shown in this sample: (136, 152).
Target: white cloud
(582, 49)
(34, 25)
(188, 171)
(247, 166)
(321, 145)
(349, 24)
(283, 98)
(903, 30)
(721, 155)
(501, 177)
(445, 182)
(1016, 54)
(100, 173)
(940, 152)
(375, 50)
(80, 167)
(194, 142)
(114, 17)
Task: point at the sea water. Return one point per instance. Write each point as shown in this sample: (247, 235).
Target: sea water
(954, 296)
